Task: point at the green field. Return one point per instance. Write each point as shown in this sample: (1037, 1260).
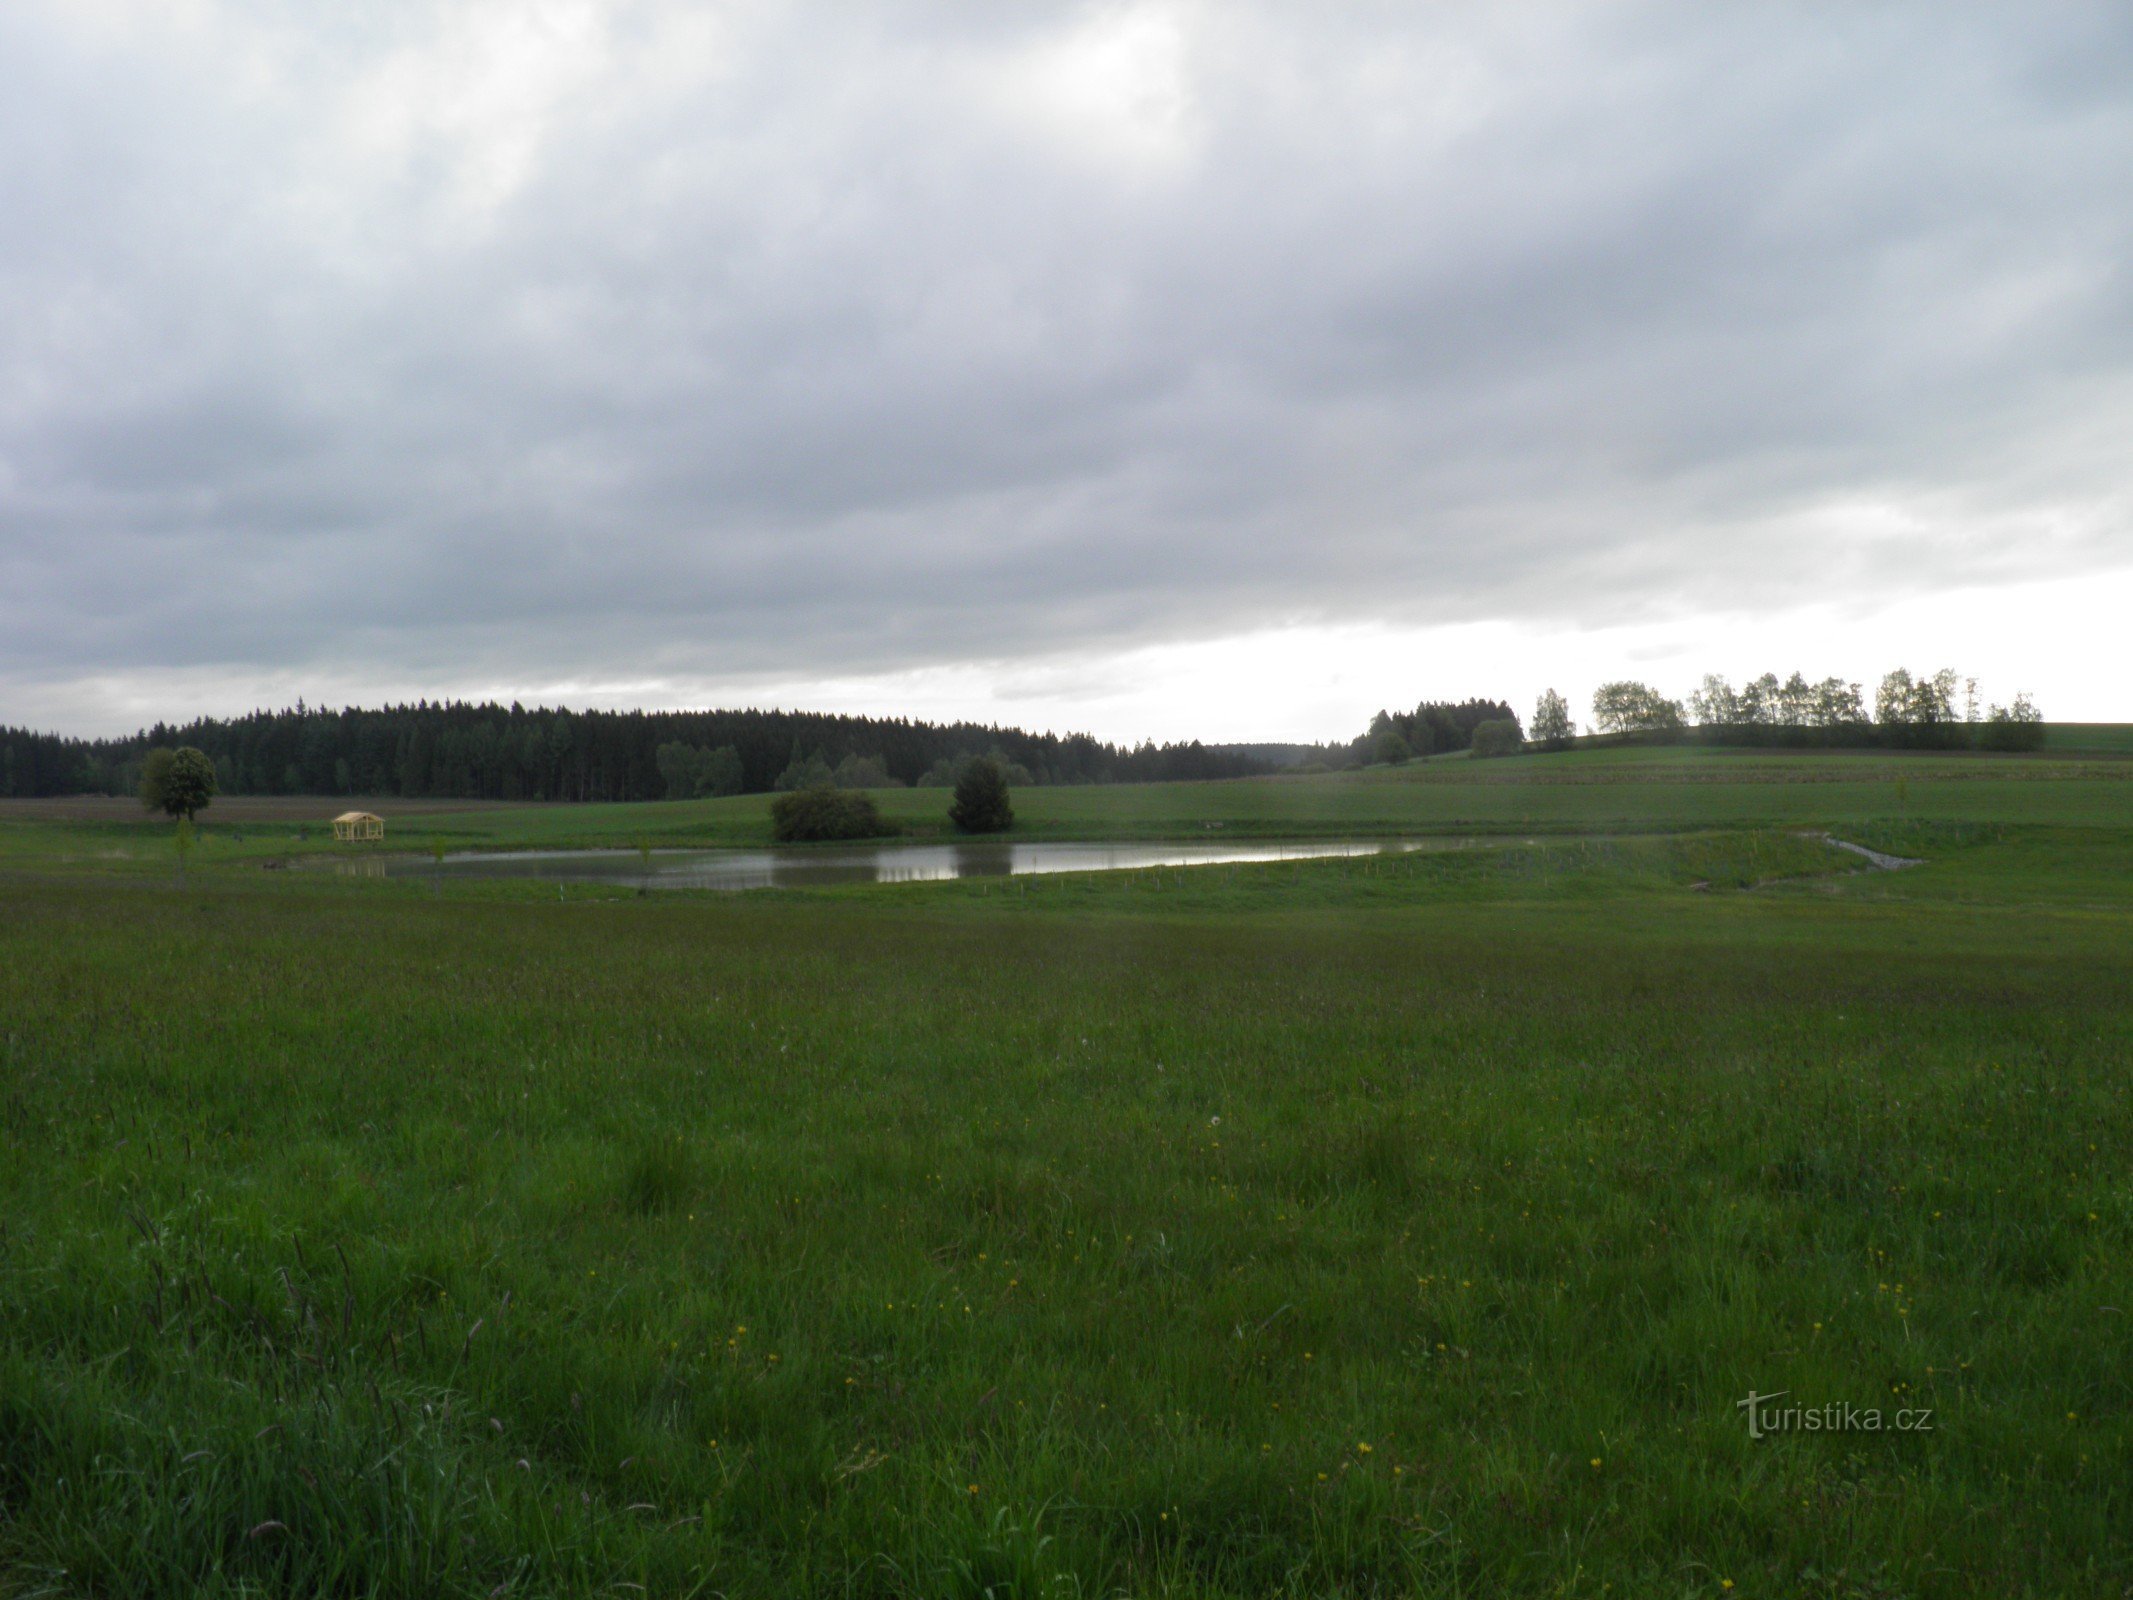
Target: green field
(1651, 789)
(1385, 1226)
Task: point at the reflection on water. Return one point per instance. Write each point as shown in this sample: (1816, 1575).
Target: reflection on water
(881, 863)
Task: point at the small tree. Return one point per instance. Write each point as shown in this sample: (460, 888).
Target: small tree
(2016, 727)
(691, 773)
(155, 777)
(1630, 707)
(1389, 749)
(1010, 769)
(1551, 722)
(720, 772)
(804, 772)
(980, 804)
(178, 783)
(1796, 703)
(1497, 737)
(1714, 705)
(1893, 700)
(856, 771)
(1918, 711)
(679, 766)
(1838, 704)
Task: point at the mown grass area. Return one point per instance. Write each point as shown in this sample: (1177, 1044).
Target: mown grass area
(1362, 1227)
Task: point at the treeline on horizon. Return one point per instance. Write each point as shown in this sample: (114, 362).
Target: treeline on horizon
(1934, 711)
(463, 751)
(460, 751)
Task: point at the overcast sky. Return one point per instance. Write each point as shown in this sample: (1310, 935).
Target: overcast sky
(1159, 369)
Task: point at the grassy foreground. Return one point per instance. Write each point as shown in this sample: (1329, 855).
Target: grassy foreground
(1350, 1228)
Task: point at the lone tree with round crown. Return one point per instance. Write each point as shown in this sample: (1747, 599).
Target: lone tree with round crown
(178, 783)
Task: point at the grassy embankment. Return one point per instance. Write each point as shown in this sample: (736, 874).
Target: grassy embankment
(1351, 1227)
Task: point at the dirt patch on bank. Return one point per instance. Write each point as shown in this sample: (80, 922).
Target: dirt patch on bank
(1879, 860)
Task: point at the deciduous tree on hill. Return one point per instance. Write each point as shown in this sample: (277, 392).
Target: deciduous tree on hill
(1551, 721)
(1629, 707)
(2016, 727)
(1916, 702)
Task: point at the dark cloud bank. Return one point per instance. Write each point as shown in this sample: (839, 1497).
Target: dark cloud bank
(497, 344)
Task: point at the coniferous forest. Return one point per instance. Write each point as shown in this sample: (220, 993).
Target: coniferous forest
(456, 750)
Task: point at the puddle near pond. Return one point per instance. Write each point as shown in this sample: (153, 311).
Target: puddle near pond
(879, 863)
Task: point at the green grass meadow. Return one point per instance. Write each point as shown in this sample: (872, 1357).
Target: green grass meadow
(1382, 1226)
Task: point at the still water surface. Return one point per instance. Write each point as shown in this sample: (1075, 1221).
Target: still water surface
(881, 863)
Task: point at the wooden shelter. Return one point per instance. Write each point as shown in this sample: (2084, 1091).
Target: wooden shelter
(351, 826)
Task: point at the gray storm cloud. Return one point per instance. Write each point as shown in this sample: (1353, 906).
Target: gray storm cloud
(493, 341)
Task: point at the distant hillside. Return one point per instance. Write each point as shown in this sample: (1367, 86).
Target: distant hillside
(2091, 738)
(1277, 755)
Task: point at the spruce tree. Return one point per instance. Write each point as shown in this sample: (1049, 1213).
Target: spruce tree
(981, 798)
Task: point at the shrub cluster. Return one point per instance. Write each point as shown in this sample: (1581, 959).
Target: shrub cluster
(1497, 738)
(1434, 727)
(808, 815)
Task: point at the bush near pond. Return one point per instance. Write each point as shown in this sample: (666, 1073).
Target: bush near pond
(809, 815)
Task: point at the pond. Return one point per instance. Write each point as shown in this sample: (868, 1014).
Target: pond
(821, 866)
